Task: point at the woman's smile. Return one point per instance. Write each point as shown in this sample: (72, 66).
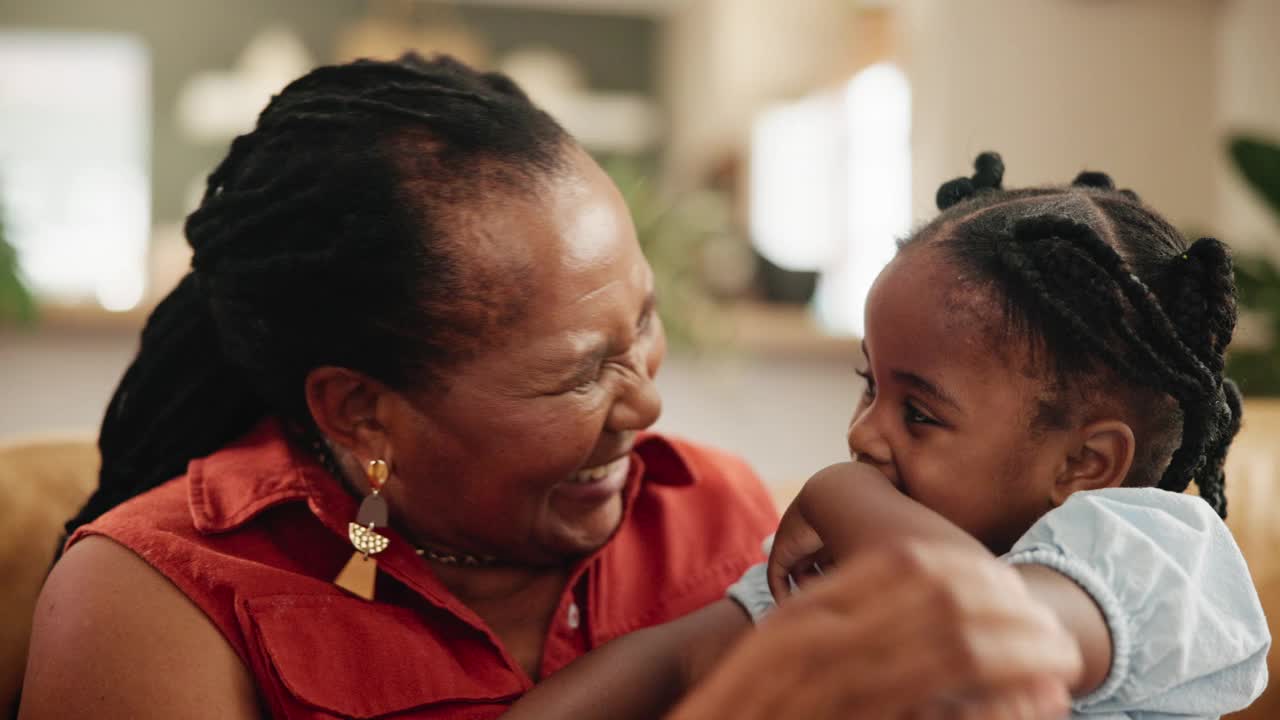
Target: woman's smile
(597, 484)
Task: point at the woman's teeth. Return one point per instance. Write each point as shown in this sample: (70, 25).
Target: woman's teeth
(594, 474)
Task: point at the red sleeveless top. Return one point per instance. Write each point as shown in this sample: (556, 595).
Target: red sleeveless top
(255, 533)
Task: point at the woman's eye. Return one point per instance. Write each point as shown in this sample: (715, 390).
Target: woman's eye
(588, 384)
(646, 322)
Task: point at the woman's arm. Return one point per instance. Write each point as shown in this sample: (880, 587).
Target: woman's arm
(641, 675)
(112, 638)
(850, 507)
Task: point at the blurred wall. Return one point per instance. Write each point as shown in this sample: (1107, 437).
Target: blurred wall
(188, 36)
(721, 61)
(1248, 100)
(58, 382)
(1143, 89)
(1057, 87)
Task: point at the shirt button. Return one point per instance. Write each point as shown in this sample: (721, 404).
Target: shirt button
(573, 616)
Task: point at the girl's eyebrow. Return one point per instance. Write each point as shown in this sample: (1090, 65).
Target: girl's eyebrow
(920, 384)
(925, 387)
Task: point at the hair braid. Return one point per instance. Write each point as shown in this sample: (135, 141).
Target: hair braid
(1201, 296)
(988, 176)
(1103, 282)
(1179, 370)
(1063, 246)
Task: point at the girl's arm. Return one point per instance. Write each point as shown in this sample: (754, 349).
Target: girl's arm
(845, 649)
(850, 507)
(641, 675)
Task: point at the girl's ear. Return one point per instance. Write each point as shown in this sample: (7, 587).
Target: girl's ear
(1100, 457)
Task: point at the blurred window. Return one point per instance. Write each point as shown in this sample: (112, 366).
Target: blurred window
(831, 188)
(75, 123)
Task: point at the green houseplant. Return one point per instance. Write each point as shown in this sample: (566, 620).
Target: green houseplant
(1257, 369)
(16, 302)
(673, 233)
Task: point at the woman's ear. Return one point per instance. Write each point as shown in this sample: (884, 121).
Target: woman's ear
(345, 405)
(1100, 458)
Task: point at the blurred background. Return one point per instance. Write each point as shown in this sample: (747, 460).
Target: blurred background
(771, 151)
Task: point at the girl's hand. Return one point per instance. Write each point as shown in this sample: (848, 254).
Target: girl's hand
(798, 553)
(837, 495)
(900, 630)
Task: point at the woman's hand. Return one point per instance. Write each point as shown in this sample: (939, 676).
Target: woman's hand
(902, 630)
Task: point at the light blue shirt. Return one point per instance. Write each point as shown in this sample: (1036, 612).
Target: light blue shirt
(1189, 639)
(1188, 635)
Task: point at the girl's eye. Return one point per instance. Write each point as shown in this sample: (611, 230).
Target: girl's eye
(870, 391)
(913, 416)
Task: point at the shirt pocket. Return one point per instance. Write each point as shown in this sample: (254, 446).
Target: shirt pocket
(333, 656)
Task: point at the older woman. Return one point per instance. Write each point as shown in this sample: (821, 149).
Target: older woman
(380, 453)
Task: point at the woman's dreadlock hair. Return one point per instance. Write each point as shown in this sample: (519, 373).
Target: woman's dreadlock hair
(1117, 302)
(324, 238)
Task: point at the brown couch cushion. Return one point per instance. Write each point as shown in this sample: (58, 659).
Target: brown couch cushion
(42, 484)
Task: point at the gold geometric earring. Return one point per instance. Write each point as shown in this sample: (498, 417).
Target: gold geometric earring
(360, 573)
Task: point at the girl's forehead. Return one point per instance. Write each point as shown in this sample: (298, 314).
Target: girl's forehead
(921, 280)
(924, 321)
(925, 310)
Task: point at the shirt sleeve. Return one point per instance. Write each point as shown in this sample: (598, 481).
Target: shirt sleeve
(1188, 635)
(752, 592)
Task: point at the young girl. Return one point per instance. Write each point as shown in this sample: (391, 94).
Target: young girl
(1044, 380)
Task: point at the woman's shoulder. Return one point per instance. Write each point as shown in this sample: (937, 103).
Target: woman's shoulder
(112, 637)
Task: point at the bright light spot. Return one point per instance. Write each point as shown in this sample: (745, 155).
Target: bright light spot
(878, 128)
(216, 105)
(797, 194)
(120, 294)
(75, 124)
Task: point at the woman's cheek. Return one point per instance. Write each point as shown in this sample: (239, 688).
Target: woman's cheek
(574, 425)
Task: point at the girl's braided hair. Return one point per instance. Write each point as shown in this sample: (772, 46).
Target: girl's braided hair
(1118, 303)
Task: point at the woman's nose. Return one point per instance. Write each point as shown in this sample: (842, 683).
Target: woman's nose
(638, 404)
(637, 408)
